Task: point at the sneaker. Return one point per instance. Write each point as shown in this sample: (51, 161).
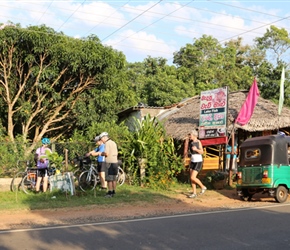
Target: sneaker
(203, 190)
(192, 196)
(108, 195)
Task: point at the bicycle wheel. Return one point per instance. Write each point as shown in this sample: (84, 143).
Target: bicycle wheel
(28, 183)
(87, 181)
(76, 176)
(15, 184)
(121, 177)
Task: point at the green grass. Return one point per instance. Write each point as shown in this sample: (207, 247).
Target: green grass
(125, 195)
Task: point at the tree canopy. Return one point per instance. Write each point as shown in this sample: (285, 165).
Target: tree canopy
(46, 78)
(52, 84)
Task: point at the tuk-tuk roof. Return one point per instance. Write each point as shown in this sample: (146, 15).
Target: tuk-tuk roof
(268, 139)
(273, 150)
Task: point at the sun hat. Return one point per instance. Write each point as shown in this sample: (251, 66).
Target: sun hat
(103, 134)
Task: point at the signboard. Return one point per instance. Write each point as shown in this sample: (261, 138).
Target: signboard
(63, 182)
(213, 113)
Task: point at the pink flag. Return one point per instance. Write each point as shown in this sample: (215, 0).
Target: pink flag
(248, 107)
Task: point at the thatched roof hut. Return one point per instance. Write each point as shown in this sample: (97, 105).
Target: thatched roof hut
(184, 117)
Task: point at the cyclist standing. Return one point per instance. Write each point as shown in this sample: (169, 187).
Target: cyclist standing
(42, 164)
(111, 154)
(101, 161)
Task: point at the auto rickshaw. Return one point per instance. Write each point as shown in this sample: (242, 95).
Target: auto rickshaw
(264, 167)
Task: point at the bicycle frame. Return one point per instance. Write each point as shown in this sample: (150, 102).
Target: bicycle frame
(88, 179)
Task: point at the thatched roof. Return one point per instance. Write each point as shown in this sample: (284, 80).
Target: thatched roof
(184, 117)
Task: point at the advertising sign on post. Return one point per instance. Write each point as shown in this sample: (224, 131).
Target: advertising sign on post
(213, 113)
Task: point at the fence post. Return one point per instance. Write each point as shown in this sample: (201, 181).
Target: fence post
(66, 159)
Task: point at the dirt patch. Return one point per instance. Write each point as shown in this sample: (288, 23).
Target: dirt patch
(178, 204)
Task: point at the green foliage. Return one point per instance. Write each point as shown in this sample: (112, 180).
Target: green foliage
(276, 42)
(208, 65)
(51, 84)
(10, 154)
(55, 159)
(149, 142)
(157, 84)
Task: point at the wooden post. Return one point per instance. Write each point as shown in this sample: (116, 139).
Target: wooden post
(66, 159)
(230, 181)
(185, 148)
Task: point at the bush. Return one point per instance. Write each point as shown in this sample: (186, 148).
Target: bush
(215, 176)
(150, 143)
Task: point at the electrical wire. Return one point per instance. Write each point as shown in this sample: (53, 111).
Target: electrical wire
(71, 15)
(107, 18)
(149, 11)
(132, 20)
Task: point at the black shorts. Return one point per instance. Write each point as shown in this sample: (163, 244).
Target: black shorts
(197, 166)
(111, 171)
(42, 172)
(101, 166)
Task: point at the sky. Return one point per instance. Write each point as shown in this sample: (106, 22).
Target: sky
(150, 28)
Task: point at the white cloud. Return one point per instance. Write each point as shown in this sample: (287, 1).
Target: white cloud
(141, 45)
(142, 28)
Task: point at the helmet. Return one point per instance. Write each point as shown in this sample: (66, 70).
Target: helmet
(281, 133)
(45, 141)
(97, 138)
(103, 134)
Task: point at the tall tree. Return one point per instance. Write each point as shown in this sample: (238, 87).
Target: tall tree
(156, 83)
(275, 43)
(207, 64)
(199, 62)
(43, 76)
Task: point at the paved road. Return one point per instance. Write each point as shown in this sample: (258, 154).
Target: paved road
(248, 228)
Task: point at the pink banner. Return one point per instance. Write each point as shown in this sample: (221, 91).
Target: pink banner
(248, 107)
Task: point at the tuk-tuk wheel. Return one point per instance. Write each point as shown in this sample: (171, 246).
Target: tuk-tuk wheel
(281, 194)
(246, 195)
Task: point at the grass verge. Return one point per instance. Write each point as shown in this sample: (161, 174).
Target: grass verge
(125, 194)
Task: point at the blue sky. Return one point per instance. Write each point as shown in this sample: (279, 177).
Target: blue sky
(151, 28)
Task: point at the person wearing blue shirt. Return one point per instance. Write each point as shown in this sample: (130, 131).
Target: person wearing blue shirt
(228, 158)
(101, 161)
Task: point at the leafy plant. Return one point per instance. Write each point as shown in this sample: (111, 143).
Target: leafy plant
(161, 162)
(55, 159)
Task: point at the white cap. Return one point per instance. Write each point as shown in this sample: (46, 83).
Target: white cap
(103, 134)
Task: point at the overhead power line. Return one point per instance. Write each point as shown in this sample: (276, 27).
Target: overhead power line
(132, 20)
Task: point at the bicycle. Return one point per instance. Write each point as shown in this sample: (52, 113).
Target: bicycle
(81, 164)
(16, 181)
(89, 179)
(121, 176)
(28, 183)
